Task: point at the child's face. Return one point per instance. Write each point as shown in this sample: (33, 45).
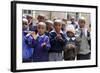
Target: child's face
(41, 19)
(72, 20)
(81, 23)
(65, 21)
(57, 26)
(49, 26)
(70, 34)
(29, 19)
(25, 26)
(41, 29)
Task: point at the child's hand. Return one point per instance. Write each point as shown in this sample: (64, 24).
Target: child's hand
(30, 21)
(58, 37)
(43, 45)
(71, 46)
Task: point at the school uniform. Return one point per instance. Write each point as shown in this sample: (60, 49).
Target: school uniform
(48, 33)
(41, 53)
(84, 52)
(70, 53)
(27, 49)
(55, 53)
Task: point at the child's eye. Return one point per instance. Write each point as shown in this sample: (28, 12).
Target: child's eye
(42, 27)
(38, 27)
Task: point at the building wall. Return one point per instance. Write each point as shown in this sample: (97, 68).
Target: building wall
(53, 15)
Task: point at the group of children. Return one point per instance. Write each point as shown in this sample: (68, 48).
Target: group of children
(47, 40)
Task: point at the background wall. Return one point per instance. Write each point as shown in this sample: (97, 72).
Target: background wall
(58, 14)
(5, 36)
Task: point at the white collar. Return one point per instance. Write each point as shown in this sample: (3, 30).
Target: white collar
(73, 38)
(68, 38)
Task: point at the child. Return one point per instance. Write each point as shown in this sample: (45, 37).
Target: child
(26, 47)
(41, 18)
(24, 24)
(41, 44)
(84, 50)
(30, 22)
(73, 22)
(57, 40)
(49, 27)
(70, 49)
(64, 24)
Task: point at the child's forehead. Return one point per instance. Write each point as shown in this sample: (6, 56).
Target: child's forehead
(70, 32)
(41, 26)
(48, 23)
(57, 23)
(82, 21)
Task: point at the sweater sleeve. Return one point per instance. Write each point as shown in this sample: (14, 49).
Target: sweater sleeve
(48, 46)
(29, 40)
(63, 40)
(52, 39)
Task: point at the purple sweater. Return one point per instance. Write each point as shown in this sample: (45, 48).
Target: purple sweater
(40, 54)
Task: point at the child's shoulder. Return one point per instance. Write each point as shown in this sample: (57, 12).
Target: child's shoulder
(45, 36)
(52, 33)
(63, 33)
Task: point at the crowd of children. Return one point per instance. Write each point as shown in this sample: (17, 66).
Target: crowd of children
(54, 40)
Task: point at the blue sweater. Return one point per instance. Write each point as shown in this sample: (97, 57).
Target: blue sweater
(26, 47)
(40, 53)
(57, 45)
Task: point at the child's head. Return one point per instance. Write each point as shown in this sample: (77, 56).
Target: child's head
(70, 34)
(57, 25)
(64, 20)
(70, 30)
(41, 28)
(29, 18)
(41, 18)
(72, 19)
(24, 24)
(81, 22)
(49, 25)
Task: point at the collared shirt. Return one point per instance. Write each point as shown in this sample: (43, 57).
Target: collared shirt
(84, 45)
(71, 40)
(57, 45)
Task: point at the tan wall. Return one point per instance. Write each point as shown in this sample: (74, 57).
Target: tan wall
(52, 15)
